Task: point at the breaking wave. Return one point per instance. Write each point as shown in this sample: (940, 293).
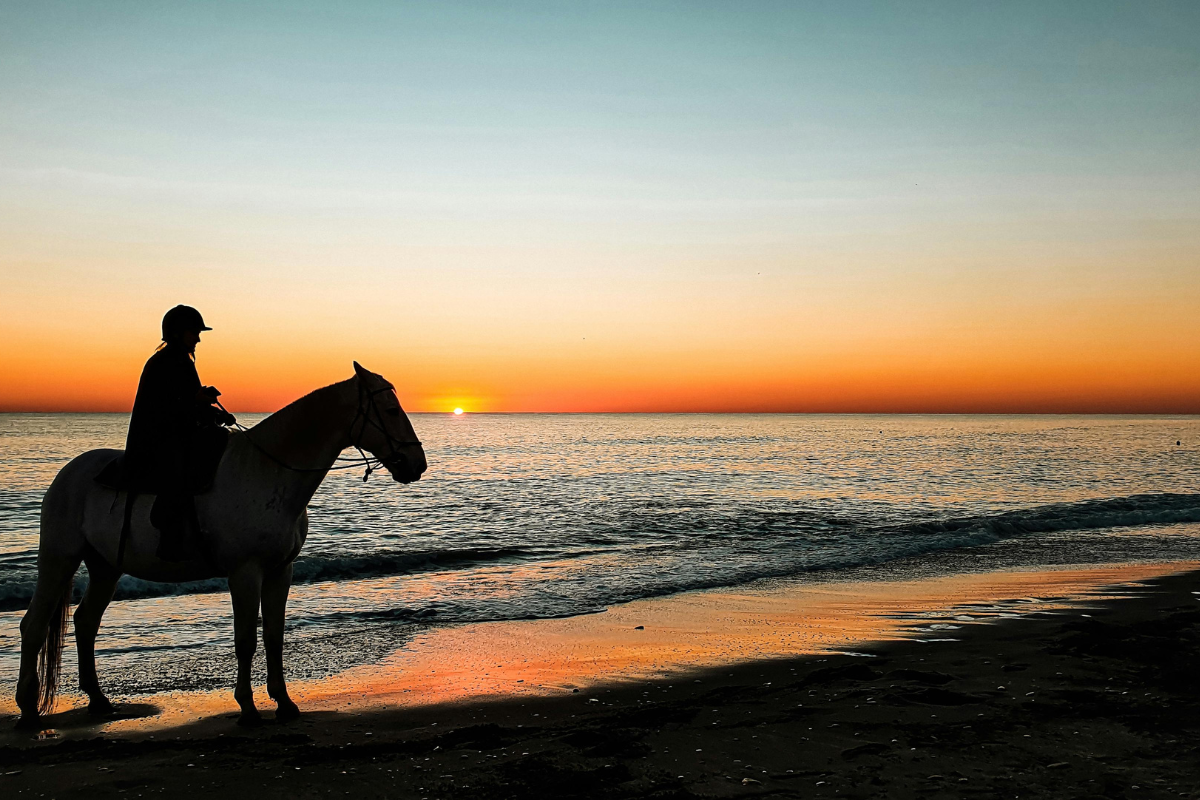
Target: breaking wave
(678, 548)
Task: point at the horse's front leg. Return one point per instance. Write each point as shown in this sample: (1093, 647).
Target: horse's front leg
(245, 589)
(274, 606)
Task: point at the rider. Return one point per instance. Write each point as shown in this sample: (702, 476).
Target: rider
(175, 434)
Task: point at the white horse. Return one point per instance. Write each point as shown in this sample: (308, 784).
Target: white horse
(253, 521)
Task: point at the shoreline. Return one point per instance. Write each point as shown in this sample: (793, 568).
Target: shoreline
(1026, 705)
(648, 639)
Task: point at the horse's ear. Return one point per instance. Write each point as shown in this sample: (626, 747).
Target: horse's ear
(359, 371)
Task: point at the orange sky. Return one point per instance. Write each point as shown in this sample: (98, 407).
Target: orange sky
(732, 342)
(779, 207)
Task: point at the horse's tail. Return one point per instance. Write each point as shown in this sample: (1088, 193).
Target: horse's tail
(50, 658)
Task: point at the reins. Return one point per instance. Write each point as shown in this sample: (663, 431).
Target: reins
(366, 407)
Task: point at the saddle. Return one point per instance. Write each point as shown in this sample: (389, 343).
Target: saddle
(173, 512)
(207, 448)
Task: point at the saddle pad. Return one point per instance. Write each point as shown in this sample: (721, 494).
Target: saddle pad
(113, 475)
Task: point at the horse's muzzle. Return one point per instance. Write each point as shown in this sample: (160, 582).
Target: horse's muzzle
(406, 467)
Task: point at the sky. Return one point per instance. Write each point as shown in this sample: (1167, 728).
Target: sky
(741, 206)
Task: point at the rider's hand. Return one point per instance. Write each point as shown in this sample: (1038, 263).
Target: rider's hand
(226, 419)
(208, 394)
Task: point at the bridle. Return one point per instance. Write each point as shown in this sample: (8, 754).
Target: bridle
(367, 413)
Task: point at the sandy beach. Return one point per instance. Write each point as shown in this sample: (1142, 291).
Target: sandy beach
(1067, 683)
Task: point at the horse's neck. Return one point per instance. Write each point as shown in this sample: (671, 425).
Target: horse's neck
(307, 436)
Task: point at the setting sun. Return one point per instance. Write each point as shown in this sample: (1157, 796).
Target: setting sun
(458, 412)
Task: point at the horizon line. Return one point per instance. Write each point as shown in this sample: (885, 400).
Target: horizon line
(908, 413)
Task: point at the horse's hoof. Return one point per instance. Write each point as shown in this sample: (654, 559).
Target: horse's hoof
(101, 708)
(287, 712)
(250, 719)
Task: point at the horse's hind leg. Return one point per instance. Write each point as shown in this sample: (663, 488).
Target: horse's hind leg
(51, 598)
(245, 589)
(274, 605)
(102, 583)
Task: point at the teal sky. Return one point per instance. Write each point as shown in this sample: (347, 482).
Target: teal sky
(663, 113)
(545, 156)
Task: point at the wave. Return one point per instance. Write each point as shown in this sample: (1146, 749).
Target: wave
(789, 541)
(397, 562)
(15, 594)
(1117, 512)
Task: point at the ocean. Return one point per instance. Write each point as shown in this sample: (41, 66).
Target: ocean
(525, 516)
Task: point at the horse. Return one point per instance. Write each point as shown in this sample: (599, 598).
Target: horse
(253, 522)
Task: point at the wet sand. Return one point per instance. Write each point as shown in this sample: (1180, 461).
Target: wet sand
(1066, 689)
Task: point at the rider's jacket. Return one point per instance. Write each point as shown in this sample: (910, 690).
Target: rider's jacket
(170, 424)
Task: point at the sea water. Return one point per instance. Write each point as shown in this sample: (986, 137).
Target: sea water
(545, 515)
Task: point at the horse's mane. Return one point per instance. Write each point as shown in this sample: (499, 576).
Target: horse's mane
(313, 403)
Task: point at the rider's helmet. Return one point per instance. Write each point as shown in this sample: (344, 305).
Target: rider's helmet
(181, 319)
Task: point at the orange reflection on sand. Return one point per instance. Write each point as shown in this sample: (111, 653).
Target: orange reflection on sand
(679, 634)
(691, 631)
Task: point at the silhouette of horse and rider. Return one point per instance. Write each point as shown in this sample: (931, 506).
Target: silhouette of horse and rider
(189, 499)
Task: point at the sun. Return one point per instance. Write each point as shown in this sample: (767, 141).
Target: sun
(458, 412)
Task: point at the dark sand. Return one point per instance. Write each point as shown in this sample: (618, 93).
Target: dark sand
(1058, 705)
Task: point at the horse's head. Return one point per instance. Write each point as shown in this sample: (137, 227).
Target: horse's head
(382, 428)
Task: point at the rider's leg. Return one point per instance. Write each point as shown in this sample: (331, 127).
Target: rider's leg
(245, 587)
(174, 510)
(174, 515)
(102, 583)
(274, 605)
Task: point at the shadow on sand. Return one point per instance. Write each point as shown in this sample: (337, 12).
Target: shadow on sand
(79, 720)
